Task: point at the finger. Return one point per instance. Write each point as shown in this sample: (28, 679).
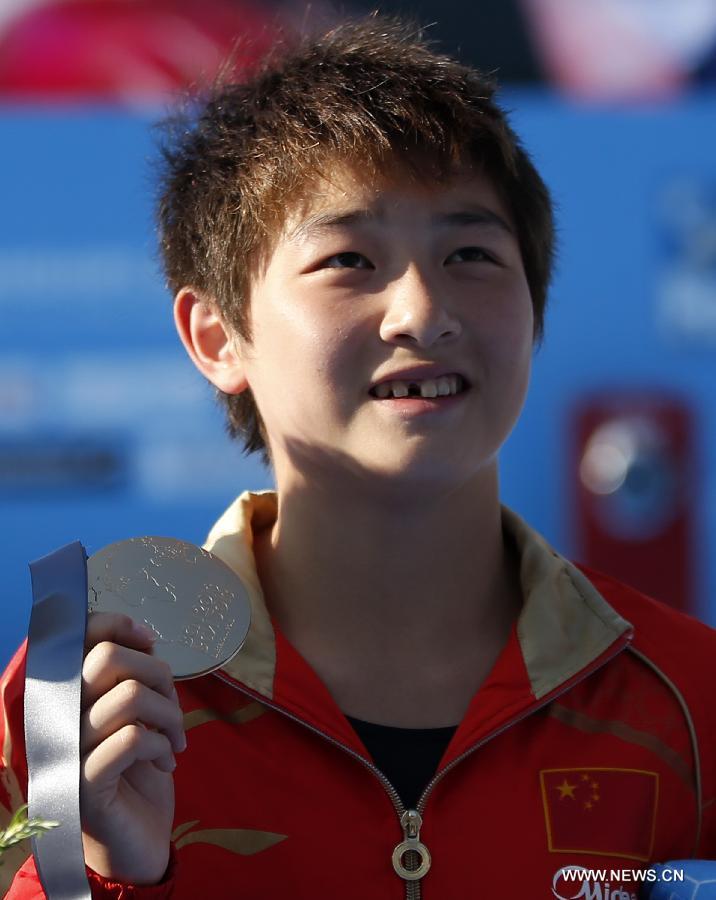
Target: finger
(108, 664)
(128, 702)
(104, 766)
(118, 629)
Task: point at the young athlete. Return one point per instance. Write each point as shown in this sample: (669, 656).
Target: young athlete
(431, 702)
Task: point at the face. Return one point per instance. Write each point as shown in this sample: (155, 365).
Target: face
(391, 333)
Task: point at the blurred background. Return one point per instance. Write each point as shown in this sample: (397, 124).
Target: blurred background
(106, 432)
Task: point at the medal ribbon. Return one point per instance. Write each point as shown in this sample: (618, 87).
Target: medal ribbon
(53, 683)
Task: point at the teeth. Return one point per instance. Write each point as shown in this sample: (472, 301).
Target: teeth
(428, 388)
(444, 386)
(383, 390)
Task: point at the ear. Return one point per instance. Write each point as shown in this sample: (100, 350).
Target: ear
(210, 343)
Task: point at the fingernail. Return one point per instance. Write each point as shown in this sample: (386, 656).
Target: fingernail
(144, 631)
(182, 742)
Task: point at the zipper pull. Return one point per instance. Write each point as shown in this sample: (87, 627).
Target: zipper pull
(413, 868)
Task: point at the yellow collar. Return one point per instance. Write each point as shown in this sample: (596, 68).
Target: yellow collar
(564, 625)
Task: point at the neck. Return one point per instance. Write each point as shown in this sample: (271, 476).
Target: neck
(421, 583)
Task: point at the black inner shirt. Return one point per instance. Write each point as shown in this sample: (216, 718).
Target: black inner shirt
(408, 757)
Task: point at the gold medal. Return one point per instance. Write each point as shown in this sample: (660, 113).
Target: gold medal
(196, 605)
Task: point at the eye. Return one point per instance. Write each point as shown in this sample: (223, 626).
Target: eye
(347, 260)
(470, 254)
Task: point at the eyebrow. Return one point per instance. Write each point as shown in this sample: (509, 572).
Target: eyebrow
(323, 221)
(474, 215)
(478, 215)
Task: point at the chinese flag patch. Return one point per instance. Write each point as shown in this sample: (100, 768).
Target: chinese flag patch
(610, 812)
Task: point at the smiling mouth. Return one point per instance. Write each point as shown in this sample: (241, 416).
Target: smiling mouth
(426, 389)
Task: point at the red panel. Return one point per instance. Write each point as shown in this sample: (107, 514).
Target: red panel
(634, 492)
(126, 50)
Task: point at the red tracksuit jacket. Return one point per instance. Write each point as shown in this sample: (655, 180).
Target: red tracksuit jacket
(592, 742)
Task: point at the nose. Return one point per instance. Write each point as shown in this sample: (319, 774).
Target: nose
(416, 314)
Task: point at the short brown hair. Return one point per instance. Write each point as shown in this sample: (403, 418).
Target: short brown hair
(371, 94)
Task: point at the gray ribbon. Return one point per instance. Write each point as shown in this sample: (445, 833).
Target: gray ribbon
(53, 683)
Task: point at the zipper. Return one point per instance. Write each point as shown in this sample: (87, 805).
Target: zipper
(407, 817)
(411, 858)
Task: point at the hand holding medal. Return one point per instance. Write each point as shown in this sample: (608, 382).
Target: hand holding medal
(166, 609)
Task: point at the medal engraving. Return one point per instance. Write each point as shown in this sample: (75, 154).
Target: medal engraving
(195, 604)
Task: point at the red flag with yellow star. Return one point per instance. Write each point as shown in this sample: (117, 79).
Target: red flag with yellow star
(586, 811)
